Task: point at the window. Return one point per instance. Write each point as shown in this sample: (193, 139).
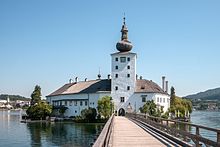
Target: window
(128, 67)
(86, 103)
(164, 100)
(128, 87)
(116, 75)
(143, 99)
(75, 111)
(128, 75)
(81, 103)
(116, 87)
(116, 67)
(160, 100)
(123, 59)
(116, 59)
(75, 103)
(128, 59)
(60, 103)
(70, 103)
(65, 103)
(122, 99)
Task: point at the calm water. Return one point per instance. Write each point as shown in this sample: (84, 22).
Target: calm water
(206, 118)
(16, 134)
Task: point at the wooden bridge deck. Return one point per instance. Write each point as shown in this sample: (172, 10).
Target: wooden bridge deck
(126, 133)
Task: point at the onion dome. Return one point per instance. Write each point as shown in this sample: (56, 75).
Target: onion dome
(124, 45)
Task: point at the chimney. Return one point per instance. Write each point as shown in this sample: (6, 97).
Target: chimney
(70, 80)
(141, 77)
(108, 76)
(163, 83)
(99, 76)
(85, 79)
(166, 86)
(76, 79)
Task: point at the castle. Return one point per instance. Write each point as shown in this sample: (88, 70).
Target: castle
(127, 91)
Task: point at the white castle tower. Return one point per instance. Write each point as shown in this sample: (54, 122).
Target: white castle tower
(123, 71)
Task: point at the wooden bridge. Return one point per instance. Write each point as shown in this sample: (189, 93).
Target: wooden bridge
(139, 130)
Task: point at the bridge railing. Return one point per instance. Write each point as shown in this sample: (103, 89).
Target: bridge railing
(104, 137)
(180, 129)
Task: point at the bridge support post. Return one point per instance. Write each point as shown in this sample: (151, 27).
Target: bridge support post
(197, 137)
(218, 137)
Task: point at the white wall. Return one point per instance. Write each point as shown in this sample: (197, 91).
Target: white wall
(136, 101)
(123, 81)
(75, 110)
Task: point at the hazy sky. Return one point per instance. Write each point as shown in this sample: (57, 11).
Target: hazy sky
(49, 42)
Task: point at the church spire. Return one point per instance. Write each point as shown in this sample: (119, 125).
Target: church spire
(124, 31)
(124, 45)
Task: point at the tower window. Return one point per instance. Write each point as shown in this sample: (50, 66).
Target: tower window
(128, 87)
(128, 67)
(143, 99)
(128, 75)
(81, 103)
(116, 75)
(123, 59)
(116, 59)
(122, 99)
(116, 67)
(116, 87)
(86, 103)
(128, 59)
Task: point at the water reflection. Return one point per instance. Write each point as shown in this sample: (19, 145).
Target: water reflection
(63, 134)
(16, 134)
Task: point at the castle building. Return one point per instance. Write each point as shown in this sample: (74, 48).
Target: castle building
(127, 91)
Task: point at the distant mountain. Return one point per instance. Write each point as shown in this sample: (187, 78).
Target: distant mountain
(211, 94)
(13, 97)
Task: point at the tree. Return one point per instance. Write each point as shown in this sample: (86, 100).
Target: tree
(104, 106)
(149, 107)
(36, 95)
(39, 111)
(89, 114)
(172, 96)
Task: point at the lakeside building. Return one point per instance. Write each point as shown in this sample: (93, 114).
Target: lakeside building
(128, 92)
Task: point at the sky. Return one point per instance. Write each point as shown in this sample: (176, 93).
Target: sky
(48, 42)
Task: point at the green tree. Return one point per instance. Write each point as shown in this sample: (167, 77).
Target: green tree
(89, 114)
(104, 106)
(172, 96)
(149, 107)
(39, 111)
(36, 95)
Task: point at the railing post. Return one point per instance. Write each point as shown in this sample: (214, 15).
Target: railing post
(197, 137)
(218, 137)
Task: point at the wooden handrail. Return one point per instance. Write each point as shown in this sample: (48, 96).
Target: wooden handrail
(163, 124)
(104, 137)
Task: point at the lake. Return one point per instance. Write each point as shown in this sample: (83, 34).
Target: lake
(206, 118)
(16, 134)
